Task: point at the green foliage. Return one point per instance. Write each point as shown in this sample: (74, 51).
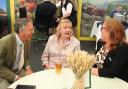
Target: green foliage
(125, 6)
(110, 7)
(16, 2)
(87, 23)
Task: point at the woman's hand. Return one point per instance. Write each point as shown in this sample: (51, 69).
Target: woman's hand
(47, 66)
(94, 71)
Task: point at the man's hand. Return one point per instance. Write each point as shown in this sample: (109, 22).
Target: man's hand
(28, 71)
(17, 78)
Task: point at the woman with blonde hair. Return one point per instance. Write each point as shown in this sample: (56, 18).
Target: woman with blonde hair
(112, 52)
(59, 45)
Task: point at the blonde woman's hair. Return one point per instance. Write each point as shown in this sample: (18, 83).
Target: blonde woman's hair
(62, 23)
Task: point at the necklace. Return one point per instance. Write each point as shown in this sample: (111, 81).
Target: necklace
(101, 56)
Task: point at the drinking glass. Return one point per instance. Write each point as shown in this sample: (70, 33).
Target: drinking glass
(58, 67)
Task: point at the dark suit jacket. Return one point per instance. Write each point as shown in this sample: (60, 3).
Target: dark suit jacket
(44, 15)
(8, 50)
(116, 62)
(22, 12)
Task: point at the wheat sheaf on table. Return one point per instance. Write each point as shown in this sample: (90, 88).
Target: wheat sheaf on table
(80, 62)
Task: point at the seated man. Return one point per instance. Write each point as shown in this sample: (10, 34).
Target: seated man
(14, 53)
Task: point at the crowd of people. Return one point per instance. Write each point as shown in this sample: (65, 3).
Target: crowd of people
(111, 53)
(46, 10)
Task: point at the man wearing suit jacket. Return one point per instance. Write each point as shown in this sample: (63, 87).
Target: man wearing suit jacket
(14, 53)
(45, 16)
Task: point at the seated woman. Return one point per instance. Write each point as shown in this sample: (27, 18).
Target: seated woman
(112, 52)
(59, 45)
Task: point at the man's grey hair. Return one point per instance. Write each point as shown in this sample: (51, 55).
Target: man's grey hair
(21, 23)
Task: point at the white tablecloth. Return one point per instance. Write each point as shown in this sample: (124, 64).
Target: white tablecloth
(49, 79)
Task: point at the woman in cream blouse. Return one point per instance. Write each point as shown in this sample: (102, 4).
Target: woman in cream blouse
(59, 45)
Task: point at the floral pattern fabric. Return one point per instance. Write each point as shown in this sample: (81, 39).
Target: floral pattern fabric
(101, 56)
(53, 54)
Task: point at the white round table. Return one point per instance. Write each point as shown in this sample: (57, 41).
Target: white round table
(49, 79)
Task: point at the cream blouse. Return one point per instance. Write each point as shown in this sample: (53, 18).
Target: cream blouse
(53, 54)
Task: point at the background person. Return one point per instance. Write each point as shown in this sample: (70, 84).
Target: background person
(31, 7)
(116, 10)
(45, 16)
(112, 51)
(67, 11)
(59, 45)
(26, 9)
(14, 53)
(22, 9)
